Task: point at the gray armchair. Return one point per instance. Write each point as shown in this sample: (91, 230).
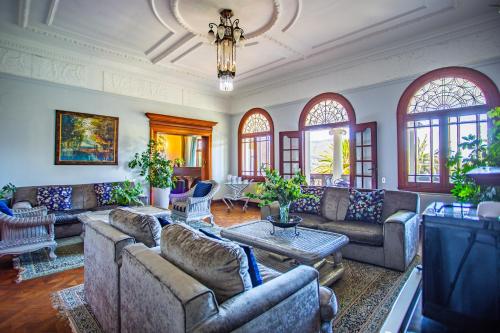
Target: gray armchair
(188, 208)
(27, 231)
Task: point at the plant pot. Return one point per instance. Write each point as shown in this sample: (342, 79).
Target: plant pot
(161, 197)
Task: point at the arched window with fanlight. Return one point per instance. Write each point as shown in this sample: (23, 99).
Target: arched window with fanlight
(255, 144)
(434, 114)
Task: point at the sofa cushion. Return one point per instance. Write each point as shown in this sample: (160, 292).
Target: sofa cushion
(366, 207)
(311, 221)
(221, 266)
(334, 203)
(267, 273)
(358, 232)
(202, 189)
(309, 205)
(55, 198)
(144, 228)
(103, 193)
(67, 216)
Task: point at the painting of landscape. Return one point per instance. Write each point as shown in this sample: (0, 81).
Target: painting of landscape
(83, 138)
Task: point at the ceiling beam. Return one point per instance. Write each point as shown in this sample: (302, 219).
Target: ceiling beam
(24, 13)
(52, 12)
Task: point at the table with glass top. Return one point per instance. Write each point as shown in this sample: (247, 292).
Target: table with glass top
(317, 248)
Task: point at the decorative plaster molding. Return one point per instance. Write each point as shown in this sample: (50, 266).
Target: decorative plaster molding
(15, 62)
(248, 35)
(295, 17)
(58, 71)
(159, 18)
(24, 13)
(54, 4)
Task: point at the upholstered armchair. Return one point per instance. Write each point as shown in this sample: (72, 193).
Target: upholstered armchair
(27, 231)
(189, 208)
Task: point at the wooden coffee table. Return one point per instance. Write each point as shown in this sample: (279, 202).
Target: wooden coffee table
(317, 248)
(103, 215)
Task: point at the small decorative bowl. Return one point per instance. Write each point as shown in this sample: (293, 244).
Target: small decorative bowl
(293, 221)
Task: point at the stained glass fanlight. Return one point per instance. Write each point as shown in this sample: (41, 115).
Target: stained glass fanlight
(227, 35)
(326, 112)
(256, 123)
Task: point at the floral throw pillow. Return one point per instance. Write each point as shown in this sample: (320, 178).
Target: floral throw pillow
(55, 198)
(103, 194)
(309, 205)
(365, 206)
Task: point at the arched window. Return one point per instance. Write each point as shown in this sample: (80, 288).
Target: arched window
(255, 144)
(325, 111)
(434, 113)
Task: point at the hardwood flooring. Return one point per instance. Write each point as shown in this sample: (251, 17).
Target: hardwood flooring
(27, 308)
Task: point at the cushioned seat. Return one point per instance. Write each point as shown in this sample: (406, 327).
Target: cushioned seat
(311, 221)
(267, 273)
(357, 231)
(67, 216)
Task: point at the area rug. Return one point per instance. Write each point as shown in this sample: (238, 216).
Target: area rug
(69, 253)
(365, 293)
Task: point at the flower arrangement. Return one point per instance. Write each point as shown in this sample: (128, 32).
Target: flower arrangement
(284, 191)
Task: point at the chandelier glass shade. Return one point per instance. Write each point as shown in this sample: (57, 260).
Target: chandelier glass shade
(226, 36)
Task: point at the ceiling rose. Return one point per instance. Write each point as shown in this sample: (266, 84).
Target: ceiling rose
(259, 15)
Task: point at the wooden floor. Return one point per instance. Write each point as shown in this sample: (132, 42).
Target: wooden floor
(26, 307)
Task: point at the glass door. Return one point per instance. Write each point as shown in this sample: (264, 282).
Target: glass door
(290, 153)
(365, 156)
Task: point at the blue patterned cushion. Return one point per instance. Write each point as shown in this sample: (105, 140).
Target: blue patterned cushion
(253, 268)
(365, 206)
(103, 194)
(202, 189)
(163, 221)
(55, 198)
(5, 209)
(309, 205)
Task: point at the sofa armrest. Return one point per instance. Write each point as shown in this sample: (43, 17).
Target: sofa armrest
(272, 209)
(31, 212)
(263, 302)
(401, 238)
(113, 236)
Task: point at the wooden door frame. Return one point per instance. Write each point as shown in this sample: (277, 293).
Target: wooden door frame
(373, 140)
(160, 123)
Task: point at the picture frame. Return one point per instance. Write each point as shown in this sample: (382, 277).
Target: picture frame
(85, 139)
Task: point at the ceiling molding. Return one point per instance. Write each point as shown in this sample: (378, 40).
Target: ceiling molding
(187, 38)
(54, 4)
(295, 17)
(24, 13)
(158, 16)
(159, 45)
(476, 25)
(182, 55)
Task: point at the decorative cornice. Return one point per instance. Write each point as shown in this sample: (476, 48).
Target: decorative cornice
(295, 17)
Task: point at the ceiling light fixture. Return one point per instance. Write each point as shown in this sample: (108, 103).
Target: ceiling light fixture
(227, 36)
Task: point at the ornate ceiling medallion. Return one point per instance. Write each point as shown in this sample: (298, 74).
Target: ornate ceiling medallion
(227, 36)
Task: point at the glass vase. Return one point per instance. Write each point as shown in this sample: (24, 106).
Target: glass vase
(284, 212)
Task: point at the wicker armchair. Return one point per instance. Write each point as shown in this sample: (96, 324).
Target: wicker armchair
(27, 231)
(188, 208)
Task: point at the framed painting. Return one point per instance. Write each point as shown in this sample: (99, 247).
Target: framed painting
(86, 139)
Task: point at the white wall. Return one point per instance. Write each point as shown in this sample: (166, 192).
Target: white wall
(27, 125)
(374, 103)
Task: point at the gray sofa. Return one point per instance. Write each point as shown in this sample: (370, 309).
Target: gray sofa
(103, 246)
(392, 244)
(67, 223)
(157, 295)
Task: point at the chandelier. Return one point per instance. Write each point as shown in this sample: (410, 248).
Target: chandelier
(227, 36)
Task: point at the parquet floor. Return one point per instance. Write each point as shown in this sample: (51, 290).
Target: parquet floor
(27, 308)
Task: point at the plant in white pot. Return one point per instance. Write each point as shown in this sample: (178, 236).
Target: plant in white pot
(158, 172)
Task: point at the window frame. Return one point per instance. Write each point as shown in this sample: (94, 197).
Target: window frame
(242, 136)
(350, 123)
(492, 97)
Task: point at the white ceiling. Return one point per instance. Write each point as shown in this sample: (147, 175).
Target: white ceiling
(284, 35)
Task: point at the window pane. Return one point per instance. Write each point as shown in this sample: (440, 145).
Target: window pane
(248, 156)
(367, 153)
(367, 137)
(286, 155)
(295, 143)
(423, 151)
(286, 142)
(295, 155)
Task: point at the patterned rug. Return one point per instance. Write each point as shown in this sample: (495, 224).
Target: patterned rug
(69, 253)
(365, 293)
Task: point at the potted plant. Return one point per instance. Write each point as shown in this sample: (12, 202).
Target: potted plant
(158, 172)
(465, 189)
(127, 194)
(6, 193)
(284, 191)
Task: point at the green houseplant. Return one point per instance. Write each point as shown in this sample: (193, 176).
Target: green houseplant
(158, 172)
(6, 193)
(481, 154)
(284, 191)
(127, 194)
